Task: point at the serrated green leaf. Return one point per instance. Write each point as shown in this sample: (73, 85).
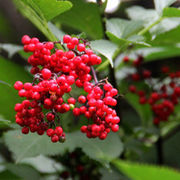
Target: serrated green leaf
(52, 8)
(161, 4)
(84, 17)
(30, 145)
(11, 48)
(123, 28)
(106, 48)
(171, 12)
(145, 172)
(10, 73)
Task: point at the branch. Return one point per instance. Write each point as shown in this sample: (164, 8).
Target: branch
(94, 75)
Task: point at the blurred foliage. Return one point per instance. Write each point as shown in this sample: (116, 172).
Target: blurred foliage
(152, 33)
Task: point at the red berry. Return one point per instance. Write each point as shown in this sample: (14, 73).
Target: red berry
(81, 47)
(46, 73)
(18, 85)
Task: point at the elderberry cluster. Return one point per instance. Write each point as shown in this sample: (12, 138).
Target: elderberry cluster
(164, 91)
(55, 71)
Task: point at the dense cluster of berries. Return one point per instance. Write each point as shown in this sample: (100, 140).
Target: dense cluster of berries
(55, 71)
(163, 96)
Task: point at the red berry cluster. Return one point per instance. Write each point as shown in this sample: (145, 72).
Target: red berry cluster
(55, 71)
(162, 97)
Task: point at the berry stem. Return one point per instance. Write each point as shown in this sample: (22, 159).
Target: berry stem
(94, 75)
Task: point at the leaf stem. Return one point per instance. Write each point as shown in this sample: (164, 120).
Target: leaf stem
(143, 31)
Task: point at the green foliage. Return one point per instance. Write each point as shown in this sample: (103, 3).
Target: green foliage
(23, 171)
(11, 49)
(40, 13)
(10, 72)
(145, 172)
(140, 13)
(106, 48)
(119, 30)
(43, 164)
(144, 111)
(171, 12)
(161, 4)
(30, 145)
(52, 8)
(84, 17)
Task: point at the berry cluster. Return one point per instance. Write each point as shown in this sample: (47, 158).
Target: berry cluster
(55, 71)
(164, 91)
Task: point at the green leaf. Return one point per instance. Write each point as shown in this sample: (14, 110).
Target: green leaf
(84, 17)
(161, 4)
(10, 73)
(106, 48)
(171, 149)
(137, 171)
(140, 13)
(144, 110)
(57, 32)
(7, 175)
(32, 12)
(43, 164)
(158, 53)
(52, 8)
(30, 145)
(164, 26)
(11, 49)
(4, 121)
(168, 38)
(171, 12)
(23, 171)
(121, 28)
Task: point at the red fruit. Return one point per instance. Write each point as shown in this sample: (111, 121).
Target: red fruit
(125, 59)
(25, 39)
(50, 117)
(25, 130)
(46, 73)
(132, 88)
(54, 138)
(81, 47)
(58, 131)
(82, 99)
(83, 129)
(50, 132)
(18, 85)
(66, 39)
(115, 127)
(71, 100)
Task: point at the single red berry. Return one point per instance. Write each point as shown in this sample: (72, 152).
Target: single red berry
(81, 47)
(25, 130)
(18, 85)
(66, 38)
(82, 99)
(46, 73)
